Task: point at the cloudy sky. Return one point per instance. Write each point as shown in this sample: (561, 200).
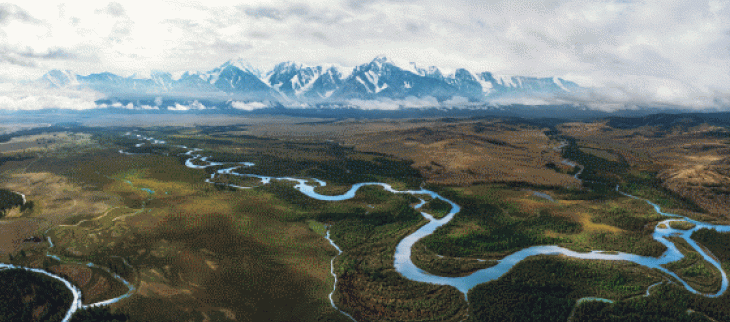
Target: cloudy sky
(662, 51)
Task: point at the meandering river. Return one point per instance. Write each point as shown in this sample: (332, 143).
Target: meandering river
(403, 263)
(405, 266)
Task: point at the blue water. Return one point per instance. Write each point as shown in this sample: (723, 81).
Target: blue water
(408, 269)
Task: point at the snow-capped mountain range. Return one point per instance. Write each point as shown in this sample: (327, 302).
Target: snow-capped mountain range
(291, 82)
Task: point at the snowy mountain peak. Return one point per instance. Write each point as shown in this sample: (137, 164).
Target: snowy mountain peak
(380, 62)
(244, 66)
(381, 59)
(464, 74)
(291, 82)
(287, 66)
(162, 79)
(60, 78)
(431, 71)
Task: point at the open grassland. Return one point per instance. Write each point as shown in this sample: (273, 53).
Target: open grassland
(468, 152)
(46, 142)
(199, 252)
(691, 162)
(445, 151)
(13, 232)
(203, 252)
(56, 199)
(194, 247)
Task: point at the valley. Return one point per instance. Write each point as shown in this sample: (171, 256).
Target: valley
(228, 223)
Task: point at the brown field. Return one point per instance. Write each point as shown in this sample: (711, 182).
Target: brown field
(79, 274)
(452, 153)
(690, 162)
(472, 152)
(201, 253)
(13, 232)
(56, 199)
(195, 248)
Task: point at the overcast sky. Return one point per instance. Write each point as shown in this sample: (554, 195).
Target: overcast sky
(663, 51)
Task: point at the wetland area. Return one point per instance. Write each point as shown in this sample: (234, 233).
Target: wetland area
(378, 220)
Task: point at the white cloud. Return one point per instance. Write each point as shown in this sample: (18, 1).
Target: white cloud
(178, 107)
(375, 104)
(664, 52)
(526, 101)
(195, 105)
(131, 106)
(248, 106)
(26, 97)
(390, 104)
(456, 101)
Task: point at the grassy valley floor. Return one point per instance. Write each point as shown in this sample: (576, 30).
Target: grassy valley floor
(205, 252)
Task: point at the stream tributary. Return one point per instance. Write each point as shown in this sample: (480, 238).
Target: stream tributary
(403, 263)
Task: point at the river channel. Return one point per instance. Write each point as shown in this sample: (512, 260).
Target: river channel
(408, 269)
(403, 263)
(405, 266)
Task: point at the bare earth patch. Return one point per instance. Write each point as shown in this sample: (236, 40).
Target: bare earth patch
(13, 232)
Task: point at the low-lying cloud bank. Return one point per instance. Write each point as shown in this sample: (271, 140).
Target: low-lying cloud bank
(661, 94)
(252, 106)
(17, 97)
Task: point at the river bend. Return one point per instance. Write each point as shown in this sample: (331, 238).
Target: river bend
(403, 263)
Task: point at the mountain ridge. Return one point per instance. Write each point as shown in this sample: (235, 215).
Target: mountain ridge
(292, 82)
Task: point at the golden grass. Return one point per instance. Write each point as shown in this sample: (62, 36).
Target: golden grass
(450, 153)
(690, 162)
(13, 232)
(56, 199)
(682, 225)
(205, 205)
(464, 229)
(585, 220)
